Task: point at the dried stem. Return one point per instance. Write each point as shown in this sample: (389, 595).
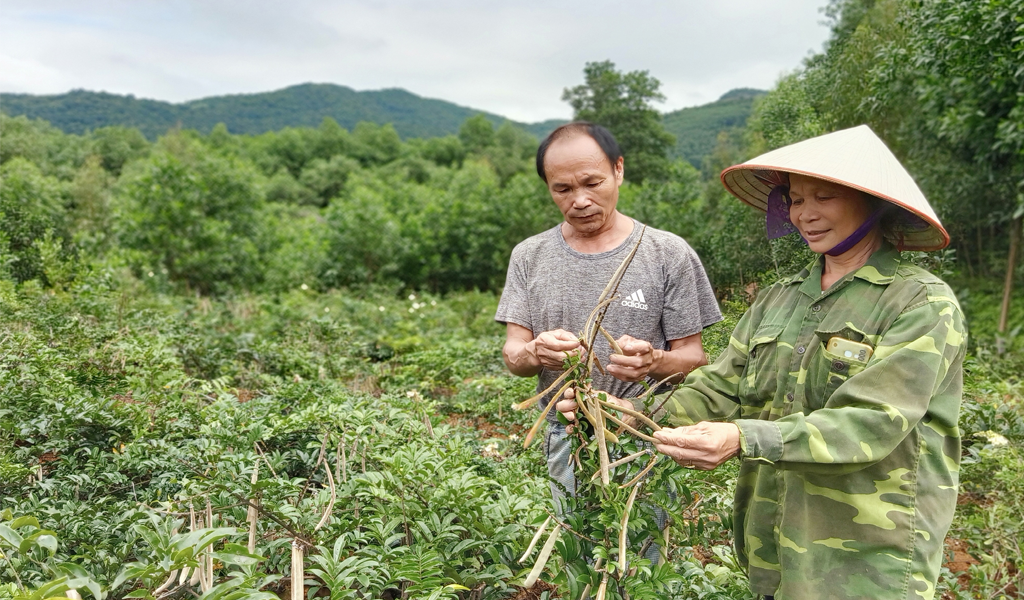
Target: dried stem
(533, 399)
(611, 341)
(663, 553)
(647, 469)
(602, 443)
(542, 560)
(264, 456)
(625, 460)
(536, 538)
(624, 530)
(659, 384)
(334, 496)
(543, 415)
(634, 432)
(639, 416)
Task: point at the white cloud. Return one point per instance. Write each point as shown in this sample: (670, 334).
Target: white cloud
(511, 59)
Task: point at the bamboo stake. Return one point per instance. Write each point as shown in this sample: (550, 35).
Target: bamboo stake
(624, 531)
(337, 459)
(298, 571)
(603, 588)
(73, 595)
(159, 590)
(209, 549)
(344, 462)
(253, 514)
(536, 538)
(542, 559)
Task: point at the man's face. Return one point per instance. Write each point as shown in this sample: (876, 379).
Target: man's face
(583, 183)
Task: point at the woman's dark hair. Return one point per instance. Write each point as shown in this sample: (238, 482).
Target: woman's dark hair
(602, 136)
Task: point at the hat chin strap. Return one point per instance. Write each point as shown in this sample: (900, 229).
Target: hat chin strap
(778, 224)
(858, 235)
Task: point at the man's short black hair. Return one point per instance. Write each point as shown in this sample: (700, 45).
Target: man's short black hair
(602, 136)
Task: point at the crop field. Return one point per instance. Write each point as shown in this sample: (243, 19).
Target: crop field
(168, 446)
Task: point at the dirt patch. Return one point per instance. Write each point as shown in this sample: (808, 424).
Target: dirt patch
(974, 498)
(959, 560)
(484, 428)
(244, 395)
(535, 592)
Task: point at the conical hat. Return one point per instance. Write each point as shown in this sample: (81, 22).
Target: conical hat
(854, 157)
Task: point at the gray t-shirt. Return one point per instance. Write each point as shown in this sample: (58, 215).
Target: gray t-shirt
(664, 294)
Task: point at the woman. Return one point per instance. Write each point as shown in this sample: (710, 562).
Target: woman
(841, 386)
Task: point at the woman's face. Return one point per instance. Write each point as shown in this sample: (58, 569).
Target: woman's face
(826, 213)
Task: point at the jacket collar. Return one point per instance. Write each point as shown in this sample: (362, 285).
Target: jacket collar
(880, 270)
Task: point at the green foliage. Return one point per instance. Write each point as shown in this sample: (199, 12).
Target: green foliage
(117, 145)
(622, 103)
(196, 216)
(696, 128)
(476, 133)
(31, 207)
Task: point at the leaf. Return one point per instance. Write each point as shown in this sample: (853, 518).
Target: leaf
(24, 522)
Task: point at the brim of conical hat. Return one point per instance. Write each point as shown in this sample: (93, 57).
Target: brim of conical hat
(854, 157)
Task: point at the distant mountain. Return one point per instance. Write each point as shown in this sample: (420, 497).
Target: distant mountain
(696, 128)
(296, 106)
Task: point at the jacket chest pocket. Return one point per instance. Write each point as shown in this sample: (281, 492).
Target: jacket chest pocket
(834, 364)
(761, 374)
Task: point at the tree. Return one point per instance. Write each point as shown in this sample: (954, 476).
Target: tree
(31, 210)
(622, 103)
(476, 133)
(969, 56)
(197, 215)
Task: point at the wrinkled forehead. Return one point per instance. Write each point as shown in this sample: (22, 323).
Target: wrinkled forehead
(576, 152)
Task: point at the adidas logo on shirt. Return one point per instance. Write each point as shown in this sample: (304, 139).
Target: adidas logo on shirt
(636, 300)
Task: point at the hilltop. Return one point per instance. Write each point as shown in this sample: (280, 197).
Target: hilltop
(306, 105)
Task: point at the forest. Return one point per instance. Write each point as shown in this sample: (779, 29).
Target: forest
(265, 365)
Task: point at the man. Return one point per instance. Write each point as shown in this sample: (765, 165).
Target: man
(555, 278)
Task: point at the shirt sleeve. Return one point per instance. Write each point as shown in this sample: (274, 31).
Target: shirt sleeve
(917, 360)
(711, 393)
(514, 305)
(690, 303)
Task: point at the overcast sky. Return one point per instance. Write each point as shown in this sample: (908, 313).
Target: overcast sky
(512, 58)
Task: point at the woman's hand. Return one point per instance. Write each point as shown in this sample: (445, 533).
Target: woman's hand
(704, 446)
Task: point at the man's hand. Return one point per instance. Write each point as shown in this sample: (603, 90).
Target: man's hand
(567, 406)
(551, 348)
(635, 361)
(705, 445)
(525, 354)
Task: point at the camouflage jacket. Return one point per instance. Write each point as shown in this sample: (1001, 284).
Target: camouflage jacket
(849, 469)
